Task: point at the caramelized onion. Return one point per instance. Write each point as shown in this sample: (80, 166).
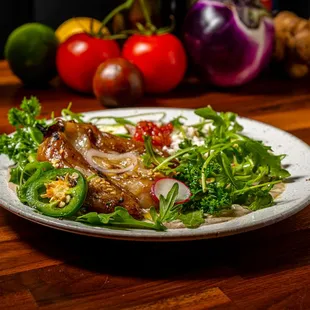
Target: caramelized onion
(109, 156)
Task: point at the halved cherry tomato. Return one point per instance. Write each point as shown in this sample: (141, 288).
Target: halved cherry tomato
(161, 58)
(79, 57)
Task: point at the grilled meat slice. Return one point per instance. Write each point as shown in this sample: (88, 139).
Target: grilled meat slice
(103, 193)
(89, 136)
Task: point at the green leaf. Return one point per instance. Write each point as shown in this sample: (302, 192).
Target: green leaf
(153, 214)
(29, 110)
(209, 113)
(119, 218)
(150, 157)
(93, 218)
(36, 135)
(262, 156)
(167, 209)
(262, 199)
(31, 106)
(177, 123)
(226, 168)
(192, 219)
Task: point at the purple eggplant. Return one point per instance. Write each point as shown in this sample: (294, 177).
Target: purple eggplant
(230, 41)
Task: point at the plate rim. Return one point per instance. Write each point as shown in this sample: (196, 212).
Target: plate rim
(146, 235)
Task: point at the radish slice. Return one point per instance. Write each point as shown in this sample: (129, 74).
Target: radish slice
(164, 185)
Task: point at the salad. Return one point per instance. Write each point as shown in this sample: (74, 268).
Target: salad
(113, 171)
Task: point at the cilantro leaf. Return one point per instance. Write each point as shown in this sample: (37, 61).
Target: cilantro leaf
(25, 116)
(24, 142)
(31, 106)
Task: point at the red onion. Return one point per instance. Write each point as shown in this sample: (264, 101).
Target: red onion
(112, 157)
(230, 41)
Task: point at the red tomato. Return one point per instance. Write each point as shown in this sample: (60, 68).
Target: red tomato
(161, 136)
(79, 57)
(160, 58)
(267, 4)
(118, 82)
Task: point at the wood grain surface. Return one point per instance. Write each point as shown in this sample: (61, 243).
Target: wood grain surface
(264, 269)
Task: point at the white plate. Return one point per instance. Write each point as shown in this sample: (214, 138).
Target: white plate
(295, 198)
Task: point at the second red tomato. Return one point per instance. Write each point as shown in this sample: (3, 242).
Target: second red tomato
(160, 58)
(79, 57)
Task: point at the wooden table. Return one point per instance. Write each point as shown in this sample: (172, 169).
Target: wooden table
(265, 269)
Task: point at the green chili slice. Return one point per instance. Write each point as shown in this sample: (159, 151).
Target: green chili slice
(31, 172)
(58, 193)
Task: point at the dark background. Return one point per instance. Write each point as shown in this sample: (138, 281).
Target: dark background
(53, 12)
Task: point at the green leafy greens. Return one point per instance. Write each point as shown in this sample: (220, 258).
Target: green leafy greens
(21, 147)
(229, 168)
(122, 219)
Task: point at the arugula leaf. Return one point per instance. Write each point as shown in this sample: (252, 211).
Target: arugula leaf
(230, 168)
(167, 208)
(209, 113)
(192, 219)
(262, 156)
(119, 218)
(226, 168)
(150, 157)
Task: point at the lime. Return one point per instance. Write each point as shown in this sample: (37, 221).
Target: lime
(31, 53)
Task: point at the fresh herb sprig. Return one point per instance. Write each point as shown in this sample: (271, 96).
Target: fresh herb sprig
(229, 169)
(120, 218)
(21, 146)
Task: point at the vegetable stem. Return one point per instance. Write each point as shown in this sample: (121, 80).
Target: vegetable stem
(168, 159)
(244, 190)
(125, 6)
(207, 162)
(146, 13)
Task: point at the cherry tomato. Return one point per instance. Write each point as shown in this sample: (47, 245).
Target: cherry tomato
(79, 57)
(161, 136)
(267, 4)
(160, 58)
(118, 82)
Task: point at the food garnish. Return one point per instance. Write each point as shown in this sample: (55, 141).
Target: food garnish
(69, 168)
(58, 192)
(162, 186)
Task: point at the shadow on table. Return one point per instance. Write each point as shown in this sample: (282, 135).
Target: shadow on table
(266, 84)
(269, 83)
(278, 247)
